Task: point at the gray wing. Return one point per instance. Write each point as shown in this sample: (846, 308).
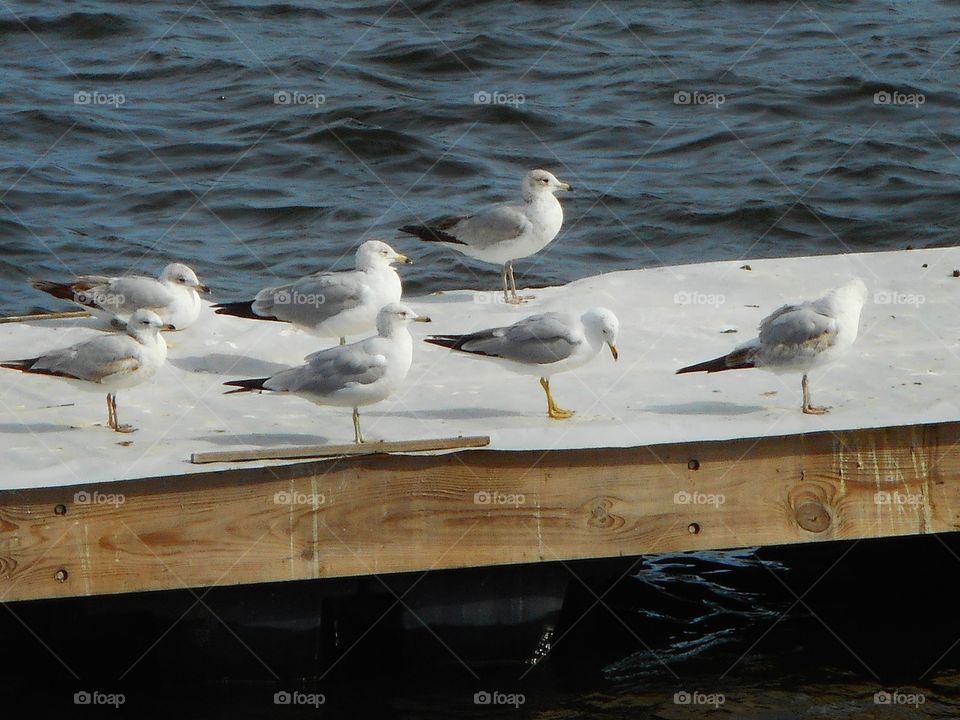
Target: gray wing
(797, 329)
(331, 370)
(128, 294)
(536, 340)
(313, 299)
(93, 360)
(487, 228)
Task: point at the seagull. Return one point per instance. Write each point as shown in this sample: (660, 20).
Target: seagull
(542, 345)
(797, 338)
(503, 233)
(331, 304)
(354, 375)
(107, 362)
(172, 296)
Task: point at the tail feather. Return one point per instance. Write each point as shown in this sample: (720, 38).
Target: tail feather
(431, 234)
(21, 365)
(27, 366)
(63, 291)
(737, 360)
(254, 384)
(453, 342)
(242, 309)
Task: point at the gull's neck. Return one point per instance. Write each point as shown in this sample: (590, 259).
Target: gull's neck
(144, 337)
(374, 265)
(531, 197)
(393, 330)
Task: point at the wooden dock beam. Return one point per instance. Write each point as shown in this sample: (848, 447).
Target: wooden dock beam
(387, 514)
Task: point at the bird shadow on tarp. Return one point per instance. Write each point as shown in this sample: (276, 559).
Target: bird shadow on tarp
(227, 364)
(265, 439)
(705, 407)
(468, 413)
(24, 428)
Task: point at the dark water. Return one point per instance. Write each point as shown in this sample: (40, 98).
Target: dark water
(135, 134)
(199, 164)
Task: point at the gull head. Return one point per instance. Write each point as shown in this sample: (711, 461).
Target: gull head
(396, 315)
(602, 326)
(180, 274)
(376, 253)
(540, 182)
(145, 324)
(854, 291)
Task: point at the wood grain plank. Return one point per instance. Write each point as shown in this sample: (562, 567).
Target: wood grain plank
(386, 514)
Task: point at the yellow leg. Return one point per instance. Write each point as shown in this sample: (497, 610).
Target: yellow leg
(552, 410)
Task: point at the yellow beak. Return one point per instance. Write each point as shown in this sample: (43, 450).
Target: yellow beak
(422, 318)
(614, 351)
(404, 259)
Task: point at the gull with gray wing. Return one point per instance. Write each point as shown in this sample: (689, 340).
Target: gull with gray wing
(172, 296)
(354, 375)
(107, 362)
(506, 232)
(542, 345)
(331, 304)
(798, 338)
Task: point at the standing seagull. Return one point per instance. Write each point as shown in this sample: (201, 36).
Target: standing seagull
(331, 304)
(354, 375)
(173, 296)
(107, 362)
(542, 345)
(504, 233)
(797, 338)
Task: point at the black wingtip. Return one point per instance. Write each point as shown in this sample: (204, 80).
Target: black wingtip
(242, 309)
(430, 234)
(251, 385)
(451, 342)
(725, 362)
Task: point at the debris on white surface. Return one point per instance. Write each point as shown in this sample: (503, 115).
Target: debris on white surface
(903, 369)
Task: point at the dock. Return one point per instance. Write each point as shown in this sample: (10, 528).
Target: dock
(652, 463)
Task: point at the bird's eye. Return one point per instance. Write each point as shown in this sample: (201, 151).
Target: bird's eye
(544, 180)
